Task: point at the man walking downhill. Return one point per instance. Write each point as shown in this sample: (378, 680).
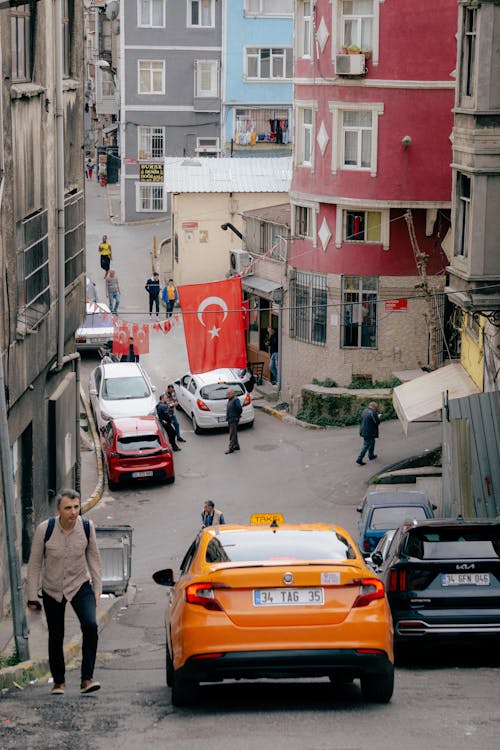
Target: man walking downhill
(368, 429)
(233, 414)
(153, 289)
(106, 254)
(65, 558)
(113, 291)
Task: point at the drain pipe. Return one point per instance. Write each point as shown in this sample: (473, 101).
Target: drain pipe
(59, 112)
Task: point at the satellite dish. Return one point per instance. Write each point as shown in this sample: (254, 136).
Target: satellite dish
(112, 10)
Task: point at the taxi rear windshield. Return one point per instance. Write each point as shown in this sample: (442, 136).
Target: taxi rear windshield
(454, 543)
(218, 391)
(268, 546)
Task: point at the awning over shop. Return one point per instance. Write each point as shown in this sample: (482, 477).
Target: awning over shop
(424, 395)
(110, 128)
(260, 286)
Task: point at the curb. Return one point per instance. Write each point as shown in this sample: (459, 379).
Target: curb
(288, 418)
(97, 493)
(29, 671)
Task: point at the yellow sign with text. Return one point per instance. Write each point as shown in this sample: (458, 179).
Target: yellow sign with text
(266, 519)
(151, 172)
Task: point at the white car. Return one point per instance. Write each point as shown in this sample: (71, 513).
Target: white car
(121, 389)
(97, 328)
(203, 397)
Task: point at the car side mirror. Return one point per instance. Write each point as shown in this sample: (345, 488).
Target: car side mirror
(164, 577)
(153, 388)
(434, 507)
(377, 558)
(93, 392)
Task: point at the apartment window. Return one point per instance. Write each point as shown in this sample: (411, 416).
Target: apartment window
(151, 142)
(201, 13)
(273, 240)
(206, 78)
(463, 210)
(308, 312)
(268, 63)
(151, 13)
(357, 23)
(357, 225)
(469, 50)
(305, 139)
(355, 135)
(207, 146)
(21, 42)
(149, 198)
(74, 238)
(151, 76)
(303, 221)
(359, 311)
(66, 39)
(304, 29)
(33, 269)
(268, 7)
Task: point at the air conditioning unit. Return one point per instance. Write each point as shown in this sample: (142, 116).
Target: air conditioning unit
(239, 262)
(350, 65)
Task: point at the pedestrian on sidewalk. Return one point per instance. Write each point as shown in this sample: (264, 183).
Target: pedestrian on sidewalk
(273, 351)
(169, 296)
(113, 291)
(172, 403)
(368, 429)
(89, 168)
(65, 558)
(106, 254)
(153, 289)
(210, 516)
(233, 414)
(165, 420)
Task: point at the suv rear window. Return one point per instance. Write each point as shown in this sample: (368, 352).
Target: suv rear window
(218, 391)
(97, 320)
(454, 543)
(269, 546)
(391, 518)
(136, 443)
(116, 389)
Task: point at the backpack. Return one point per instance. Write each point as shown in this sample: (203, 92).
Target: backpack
(52, 523)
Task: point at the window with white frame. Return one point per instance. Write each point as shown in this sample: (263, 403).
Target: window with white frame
(151, 142)
(468, 50)
(355, 135)
(309, 306)
(207, 146)
(303, 224)
(66, 38)
(206, 78)
(305, 139)
(304, 28)
(149, 197)
(269, 63)
(151, 76)
(360, 225)
(357, 23)
(268, 7)
(201, 13)
(151, 13)
(20, 23)
(463, 214)
(359, 312)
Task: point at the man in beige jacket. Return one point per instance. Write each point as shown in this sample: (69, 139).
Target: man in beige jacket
(68, 565)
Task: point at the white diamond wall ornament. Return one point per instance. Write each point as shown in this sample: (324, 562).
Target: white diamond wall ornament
(323, 138)
(322, 34)
(324, 234)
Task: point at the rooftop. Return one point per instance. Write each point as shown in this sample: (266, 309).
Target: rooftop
(209, 175)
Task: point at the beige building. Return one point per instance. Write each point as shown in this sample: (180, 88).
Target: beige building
(207, 194)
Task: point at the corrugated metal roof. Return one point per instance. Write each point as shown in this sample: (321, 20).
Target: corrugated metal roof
(208, 175)
(274, 214)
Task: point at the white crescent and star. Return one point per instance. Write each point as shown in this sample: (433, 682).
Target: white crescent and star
(219, 302)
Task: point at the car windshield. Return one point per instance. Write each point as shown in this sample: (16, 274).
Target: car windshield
(97, 320)
(134, 443)
(454, 543)
(391, 518)
(117, 389)
(218, 391)
(271, 545)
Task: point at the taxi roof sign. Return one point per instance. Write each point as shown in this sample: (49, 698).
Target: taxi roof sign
(266, 519)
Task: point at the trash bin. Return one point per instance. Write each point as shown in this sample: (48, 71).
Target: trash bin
(115, 548)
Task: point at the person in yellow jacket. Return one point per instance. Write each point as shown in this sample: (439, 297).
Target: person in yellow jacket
(106, 255)
(169, 296)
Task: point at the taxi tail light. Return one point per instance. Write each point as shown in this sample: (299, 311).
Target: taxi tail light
(203, 594)
(214, 655)
(371, 589)
(247, 400)
(201, 405)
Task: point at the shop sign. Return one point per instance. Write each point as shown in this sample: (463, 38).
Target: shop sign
(396, 305)
(151, 172)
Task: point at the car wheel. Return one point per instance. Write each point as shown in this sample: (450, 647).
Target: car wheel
(169, 667)
(184, 691)
(197, 429)
(249, 425)
(378, 688)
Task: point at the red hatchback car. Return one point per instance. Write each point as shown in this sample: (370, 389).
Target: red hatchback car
(136, 448)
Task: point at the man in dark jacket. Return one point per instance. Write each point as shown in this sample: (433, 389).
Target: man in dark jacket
(233, 414)
(153, 289)
(368, 429)
(163, 412)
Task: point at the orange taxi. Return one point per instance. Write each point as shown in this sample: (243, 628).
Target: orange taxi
(274, 600)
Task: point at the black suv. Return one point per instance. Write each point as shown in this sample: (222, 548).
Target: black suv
(442, 579)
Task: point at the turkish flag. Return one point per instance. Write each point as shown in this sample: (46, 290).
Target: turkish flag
(213, 324)
(141, 339)
(120, 339)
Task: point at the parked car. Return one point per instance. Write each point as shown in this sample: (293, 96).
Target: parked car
(443, 581)
(379, 554)
(97, 328)
(387, 509)
(121, 389)
(203, 397)
(136, 448)
(276, 600)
